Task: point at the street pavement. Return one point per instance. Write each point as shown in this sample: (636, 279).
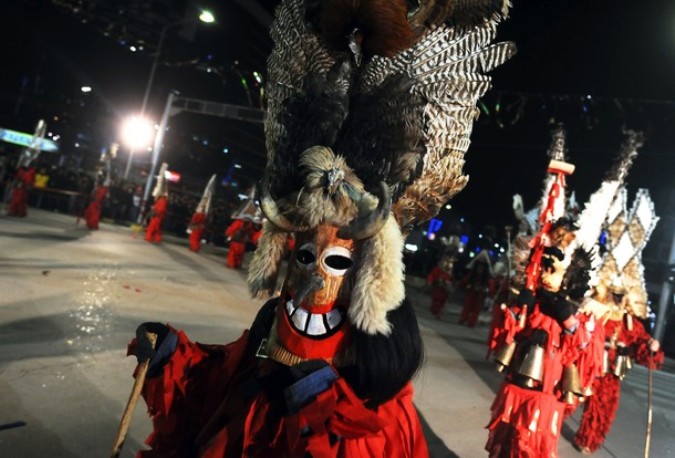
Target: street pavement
(71, 299)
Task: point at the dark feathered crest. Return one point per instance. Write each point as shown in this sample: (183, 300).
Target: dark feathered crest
(348, 75)
(381, 25)
(425, 15)
(577, 276)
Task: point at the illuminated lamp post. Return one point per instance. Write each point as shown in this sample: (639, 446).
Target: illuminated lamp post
(204, 16)
(136, 133)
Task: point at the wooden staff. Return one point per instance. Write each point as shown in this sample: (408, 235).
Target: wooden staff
(650, 377)
(125, 422)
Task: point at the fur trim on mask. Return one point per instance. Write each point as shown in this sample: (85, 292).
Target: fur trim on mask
(264, 267)
(319, 202)
(379, 286)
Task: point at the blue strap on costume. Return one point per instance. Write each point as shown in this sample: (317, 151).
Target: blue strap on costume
(163, 354)
(304, 390)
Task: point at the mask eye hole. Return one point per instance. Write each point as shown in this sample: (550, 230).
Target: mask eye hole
(305, 257)
(337, 260)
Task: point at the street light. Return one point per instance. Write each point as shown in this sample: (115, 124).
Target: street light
(137, 132)
(204, 16)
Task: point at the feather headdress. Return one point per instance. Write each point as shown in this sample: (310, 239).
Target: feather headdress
(162, 187)
(204, 205)
(370, 107)
(628, 234)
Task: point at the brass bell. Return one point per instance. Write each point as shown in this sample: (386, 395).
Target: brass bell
(620, 367)
(605, 362)
(571, 384)
(629, 363)
(532, 365)
(504, 356)
(621, 364)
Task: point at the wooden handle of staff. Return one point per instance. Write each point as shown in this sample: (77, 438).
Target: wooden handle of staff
(650, 378)
(125, 422)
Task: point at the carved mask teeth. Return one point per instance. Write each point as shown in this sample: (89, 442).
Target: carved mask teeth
(314, 324)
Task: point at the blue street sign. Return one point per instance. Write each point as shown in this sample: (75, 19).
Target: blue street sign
(25, 139)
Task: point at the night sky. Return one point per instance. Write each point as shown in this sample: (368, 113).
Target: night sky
(597, 66)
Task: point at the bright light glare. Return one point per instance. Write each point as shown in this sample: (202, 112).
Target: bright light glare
(411, 247)
(137, 132)
(207, 16)
(85, 88)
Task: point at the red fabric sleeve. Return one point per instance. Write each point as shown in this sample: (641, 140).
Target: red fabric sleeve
(185, 395)
(256, 236)
(639, 341)
(234, 227)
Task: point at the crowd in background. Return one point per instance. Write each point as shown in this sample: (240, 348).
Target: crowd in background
(68, 189)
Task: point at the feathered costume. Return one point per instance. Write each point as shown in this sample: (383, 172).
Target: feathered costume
(553, 352)
(621, 287)
(153, 233)
(198, 221)
(369, 114)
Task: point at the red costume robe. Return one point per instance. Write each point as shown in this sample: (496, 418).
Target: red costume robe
(222, 401)
(440, 281)
(526, 423)
(239, 232)
(92, 214)
(197, 227)
(600, 408)
(23, 181)
(477, 290)
(153, 233)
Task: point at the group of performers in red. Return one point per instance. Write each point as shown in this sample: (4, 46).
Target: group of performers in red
(561, 341)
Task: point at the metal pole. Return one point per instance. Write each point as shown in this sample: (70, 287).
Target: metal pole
(148, 86)
(159, 140)
(666, 296)
(129, 160)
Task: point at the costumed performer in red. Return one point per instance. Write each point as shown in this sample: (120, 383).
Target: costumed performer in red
(153, 233)
(21, 185)
(243, 230)
(238, 233)
(92, 215)
(24, 177)
(621, 286)
(478, 283)
(541, 336)
(198, 220)
(325, 369)
(440, 279)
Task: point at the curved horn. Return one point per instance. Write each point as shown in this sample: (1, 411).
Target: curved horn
(369, 224)
(270, 209)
